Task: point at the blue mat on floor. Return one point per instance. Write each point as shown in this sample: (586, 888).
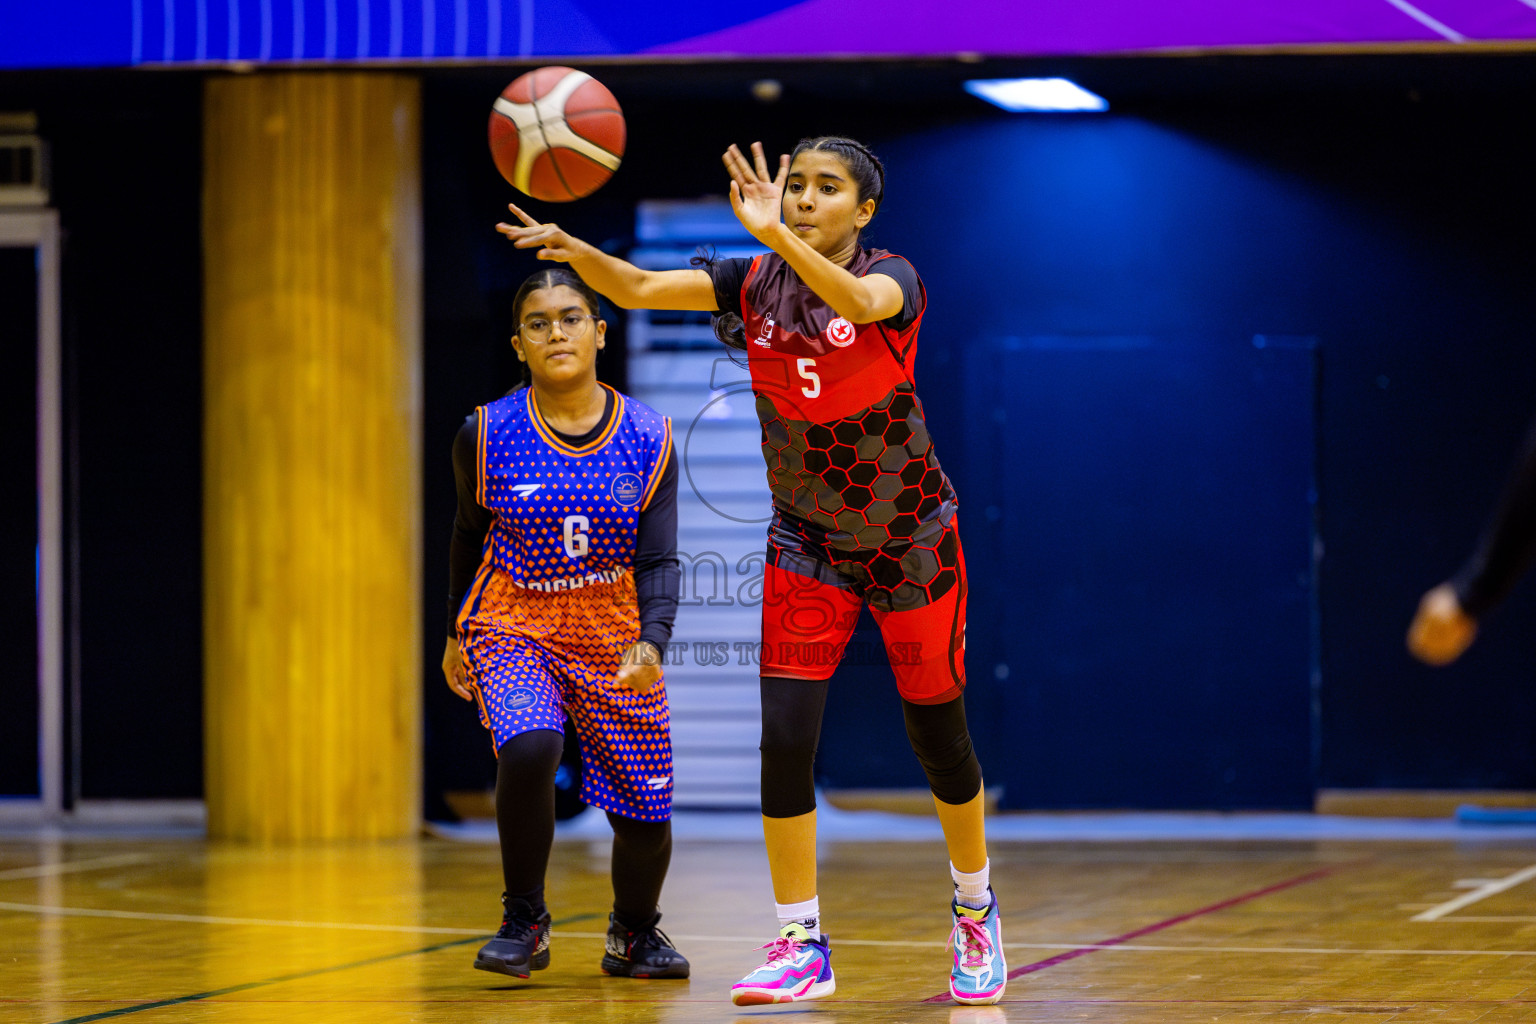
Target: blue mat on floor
(1471, 814)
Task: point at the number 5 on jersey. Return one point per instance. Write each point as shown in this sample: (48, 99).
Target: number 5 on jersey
(807, 370)
(576, 535)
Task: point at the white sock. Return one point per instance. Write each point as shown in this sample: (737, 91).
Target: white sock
(806, 914)
(971, 889)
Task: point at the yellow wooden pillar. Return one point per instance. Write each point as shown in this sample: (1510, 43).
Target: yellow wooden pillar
(311, 458)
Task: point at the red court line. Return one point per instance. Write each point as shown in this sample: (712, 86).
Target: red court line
(1073, 954)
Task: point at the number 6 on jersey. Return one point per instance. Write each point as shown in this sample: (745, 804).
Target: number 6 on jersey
(576, 535)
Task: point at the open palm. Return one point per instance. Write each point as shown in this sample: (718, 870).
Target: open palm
(756, 197)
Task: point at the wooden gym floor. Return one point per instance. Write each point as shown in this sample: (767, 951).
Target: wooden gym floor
(154, 931)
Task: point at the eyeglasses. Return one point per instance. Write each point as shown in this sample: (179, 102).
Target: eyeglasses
(572, 325)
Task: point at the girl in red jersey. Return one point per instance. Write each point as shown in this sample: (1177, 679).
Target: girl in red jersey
(863, 514)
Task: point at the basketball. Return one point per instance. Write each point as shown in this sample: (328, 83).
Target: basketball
(557, 134)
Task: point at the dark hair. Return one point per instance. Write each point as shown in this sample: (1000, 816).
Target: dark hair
(551, 277)
(727, 326)
(867, 170)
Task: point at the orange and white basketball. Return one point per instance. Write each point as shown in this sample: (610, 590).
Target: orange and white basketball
(556, 134)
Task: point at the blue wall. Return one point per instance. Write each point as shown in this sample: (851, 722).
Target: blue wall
(1397, 238)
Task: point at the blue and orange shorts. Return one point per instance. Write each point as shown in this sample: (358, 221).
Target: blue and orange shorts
(534, 657)
(915, 589)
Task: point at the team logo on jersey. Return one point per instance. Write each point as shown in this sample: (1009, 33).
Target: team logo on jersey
(765, 336)
(626, 489)
(840, 332)
(524, 490)
(519, 698)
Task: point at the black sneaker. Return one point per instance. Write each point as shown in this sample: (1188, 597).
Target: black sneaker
(644, 953)
(521, 944)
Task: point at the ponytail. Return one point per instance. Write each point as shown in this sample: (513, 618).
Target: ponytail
(728, 327)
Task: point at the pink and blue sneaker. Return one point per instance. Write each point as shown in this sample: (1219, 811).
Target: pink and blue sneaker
(798, 967)
(980, 973)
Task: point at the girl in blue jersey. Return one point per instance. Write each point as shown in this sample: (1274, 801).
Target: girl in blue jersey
(562, 592)
(862, 514)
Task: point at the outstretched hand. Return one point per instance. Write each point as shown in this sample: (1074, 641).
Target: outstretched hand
(1441, 630)
(552, 243)
(756, 197)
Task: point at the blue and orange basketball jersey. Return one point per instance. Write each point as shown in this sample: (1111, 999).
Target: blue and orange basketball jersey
(566, 518)
(553, 607)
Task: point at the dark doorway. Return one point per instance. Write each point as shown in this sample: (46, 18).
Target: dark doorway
(18, 522)
(1152, 502)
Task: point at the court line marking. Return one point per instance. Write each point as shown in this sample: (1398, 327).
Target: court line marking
(1073, 954)
(247, 986)
(1482, 892)
(146, 915)
(1123, 946)
(68, 866)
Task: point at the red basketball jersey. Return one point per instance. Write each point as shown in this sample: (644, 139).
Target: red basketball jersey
(844, 436)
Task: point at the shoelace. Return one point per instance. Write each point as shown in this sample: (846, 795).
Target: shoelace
(781, 948)
(511, 926)
(651, 938)
(974, 938)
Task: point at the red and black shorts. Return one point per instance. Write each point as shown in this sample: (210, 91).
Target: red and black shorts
(915, 588)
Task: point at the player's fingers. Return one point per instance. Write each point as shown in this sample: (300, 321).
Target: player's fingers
(736, 163)
(522, 216)
(760, 162)
(739, 203)
(512, 231)
(783, 175)
(730, 169)
(527, 238)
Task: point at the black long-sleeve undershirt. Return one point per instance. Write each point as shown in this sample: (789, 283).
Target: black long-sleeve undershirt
(1508, 545)
(657, 575)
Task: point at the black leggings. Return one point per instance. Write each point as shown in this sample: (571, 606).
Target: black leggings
(525, 820)
(792, 710)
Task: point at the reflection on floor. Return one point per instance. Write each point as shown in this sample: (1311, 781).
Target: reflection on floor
(1125, 918)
